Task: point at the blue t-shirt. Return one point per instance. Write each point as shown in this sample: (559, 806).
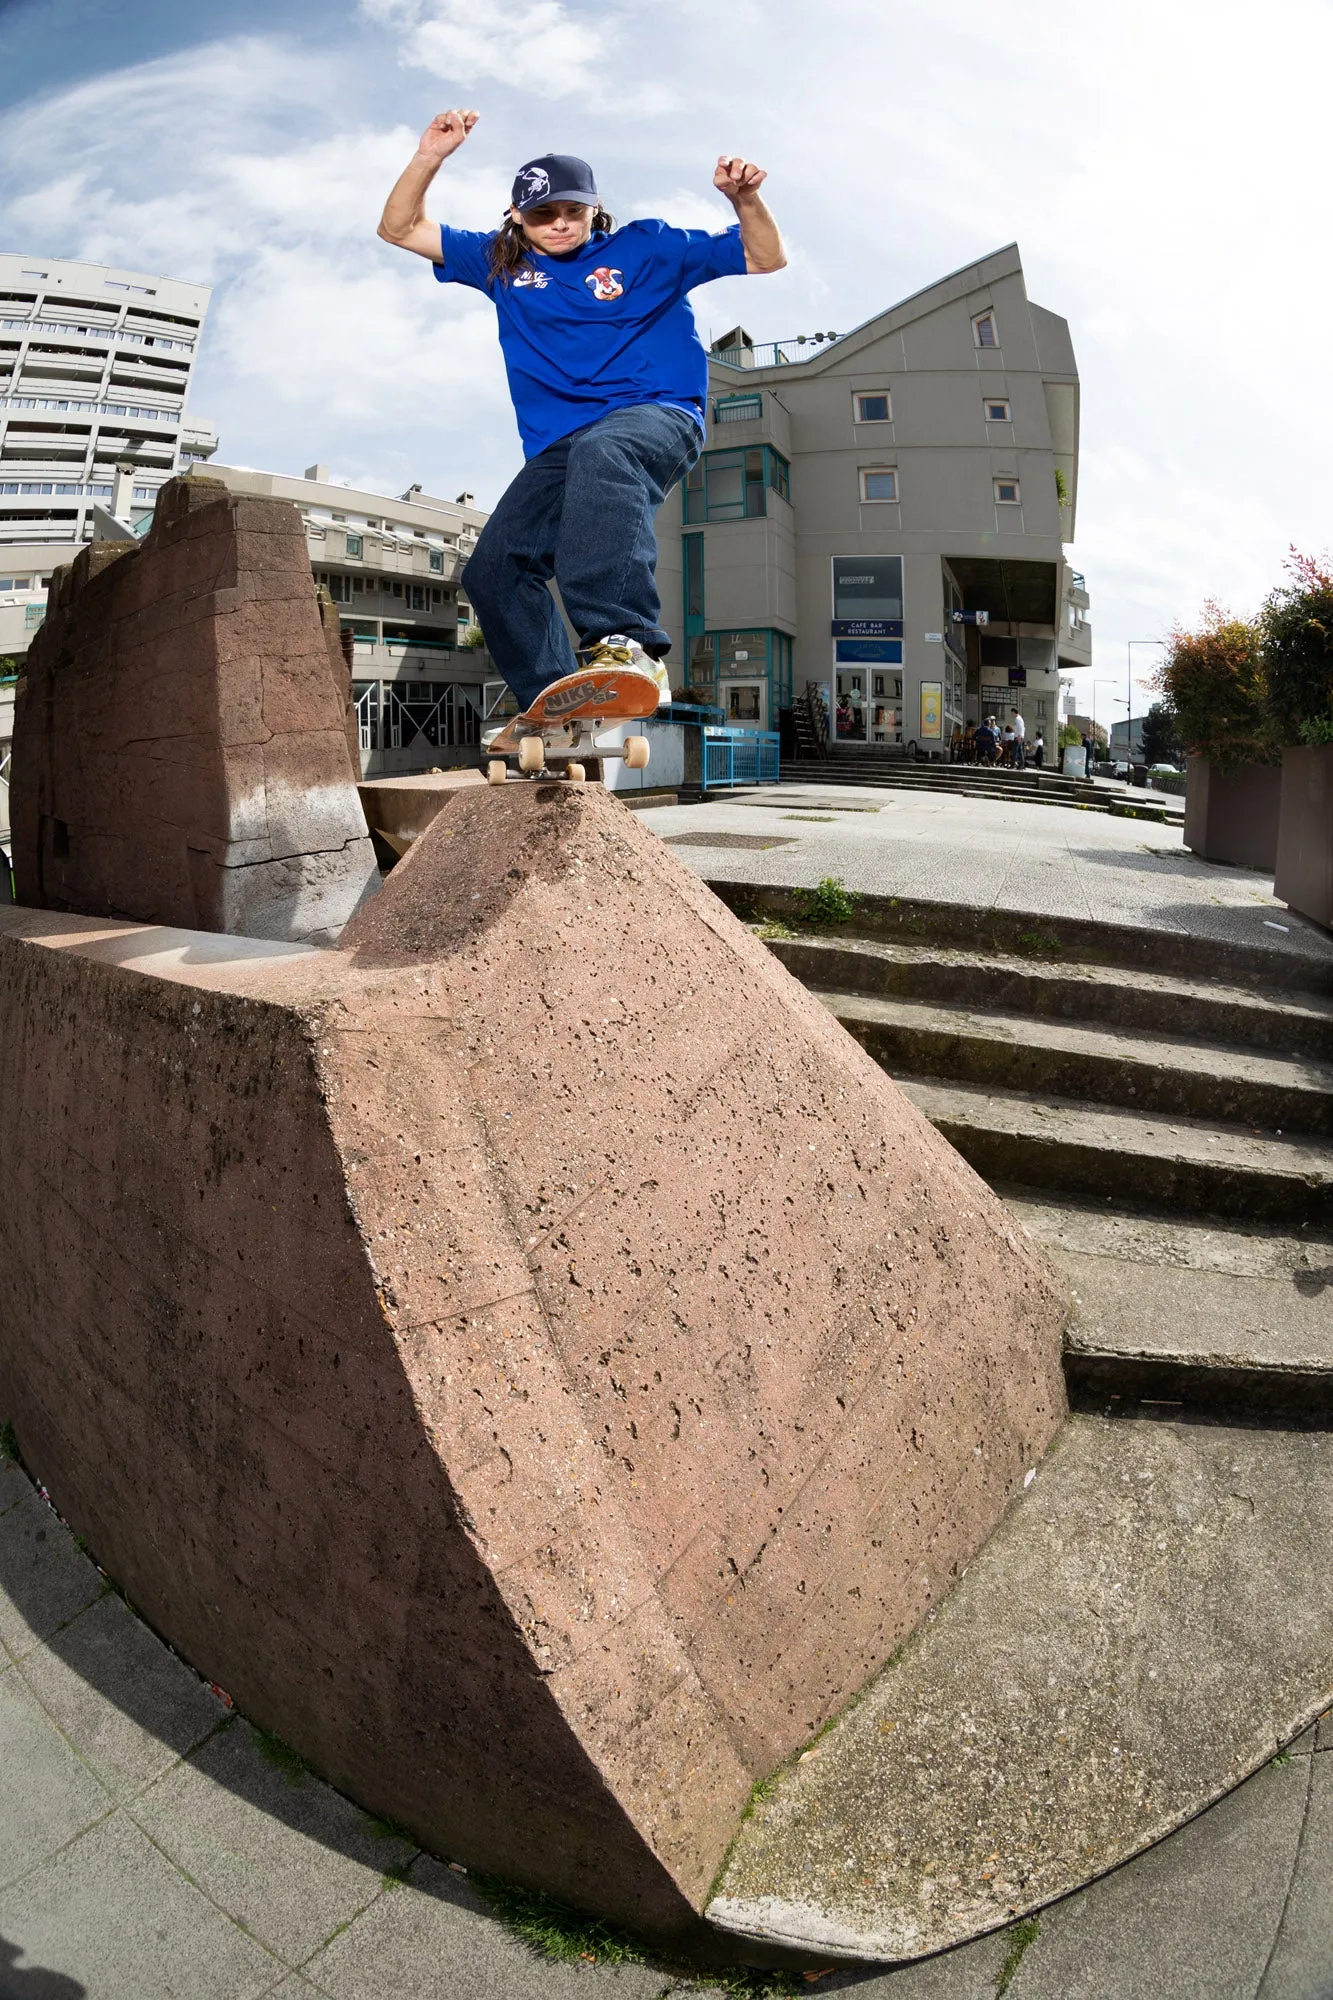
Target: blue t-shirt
(601, 328)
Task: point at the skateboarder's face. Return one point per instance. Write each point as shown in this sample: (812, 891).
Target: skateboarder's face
(556, 226)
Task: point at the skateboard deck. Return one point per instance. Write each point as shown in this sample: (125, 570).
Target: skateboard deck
(560, 728)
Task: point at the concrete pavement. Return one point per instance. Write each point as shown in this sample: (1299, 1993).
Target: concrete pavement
(153, 1846)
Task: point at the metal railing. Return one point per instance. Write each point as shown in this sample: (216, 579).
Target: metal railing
(739, 757)
(774, 353)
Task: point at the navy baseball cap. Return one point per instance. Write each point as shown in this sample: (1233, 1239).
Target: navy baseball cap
(554, 177)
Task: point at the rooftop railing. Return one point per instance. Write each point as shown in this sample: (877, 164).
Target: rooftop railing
(774, 353)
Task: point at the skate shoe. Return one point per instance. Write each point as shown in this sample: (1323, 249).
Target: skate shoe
(618, 651)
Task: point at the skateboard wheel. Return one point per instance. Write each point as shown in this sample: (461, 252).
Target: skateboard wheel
(531, 754)
(636, 752)
(576, 774)
(496, 771)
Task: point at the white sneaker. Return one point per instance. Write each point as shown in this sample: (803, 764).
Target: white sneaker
(618, 651)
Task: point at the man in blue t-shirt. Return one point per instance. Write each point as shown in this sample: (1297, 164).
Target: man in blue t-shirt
(608, 378)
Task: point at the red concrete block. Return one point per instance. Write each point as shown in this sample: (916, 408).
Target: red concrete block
(185, 748)
(531, 1357)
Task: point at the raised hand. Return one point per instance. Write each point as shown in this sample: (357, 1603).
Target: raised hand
(738, 179)
(446, 133)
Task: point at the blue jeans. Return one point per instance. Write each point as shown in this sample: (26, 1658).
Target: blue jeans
(581, 511)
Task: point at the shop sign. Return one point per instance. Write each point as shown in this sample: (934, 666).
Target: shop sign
(932, 711)
(867, 628)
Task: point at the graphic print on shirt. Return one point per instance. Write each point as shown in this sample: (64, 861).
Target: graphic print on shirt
(606, 283)
(537, 279)
(535, 182)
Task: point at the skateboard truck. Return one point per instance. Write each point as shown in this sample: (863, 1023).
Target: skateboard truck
(562, 725)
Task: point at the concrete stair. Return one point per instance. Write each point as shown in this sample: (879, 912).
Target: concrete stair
(973, 781)
(1151, 1622)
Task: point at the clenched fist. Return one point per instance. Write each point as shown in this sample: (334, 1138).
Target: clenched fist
(445, 134)
(737, 178)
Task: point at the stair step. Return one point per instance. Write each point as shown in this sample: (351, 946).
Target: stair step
(1146, 1626)
(1210, 1317)
(1150, 1002)
(1183, 1164)
(1173, 1077)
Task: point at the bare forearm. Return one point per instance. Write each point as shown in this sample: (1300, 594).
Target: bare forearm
(760, 236)
(406, 206)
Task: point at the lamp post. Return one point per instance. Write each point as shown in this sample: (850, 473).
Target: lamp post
(1130, 644)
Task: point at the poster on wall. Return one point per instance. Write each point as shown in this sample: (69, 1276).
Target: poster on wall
(932, 711)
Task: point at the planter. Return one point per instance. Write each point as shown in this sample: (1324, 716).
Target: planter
(1304, 879)
(1232, 816)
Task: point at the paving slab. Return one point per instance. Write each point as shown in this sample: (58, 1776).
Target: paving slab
(1006, 854)
(1194, 1919)
(127, 1704)
(1146, 1628)
(44, 1580)
(46, 1794)
(112, 1913)
(289, 1857)
(442, 1940)
(1304, 1945)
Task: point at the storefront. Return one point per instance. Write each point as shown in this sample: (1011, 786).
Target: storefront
(867, 642)
(745, 674)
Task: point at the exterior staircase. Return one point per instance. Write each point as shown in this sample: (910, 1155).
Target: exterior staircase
(977, 781)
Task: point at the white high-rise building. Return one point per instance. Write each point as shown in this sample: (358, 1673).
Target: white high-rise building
(95, 368)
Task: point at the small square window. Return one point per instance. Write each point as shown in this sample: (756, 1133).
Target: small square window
(1006, 492)
(437, 560)
(997, 412)
(875, 409)
(881, 484)
(984, 330)
(354, 545)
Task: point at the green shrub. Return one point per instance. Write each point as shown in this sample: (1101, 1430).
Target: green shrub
(1297, 621)
(1216, 687)
(830, 903)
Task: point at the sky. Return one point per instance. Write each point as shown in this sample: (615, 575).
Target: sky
(1161, 164)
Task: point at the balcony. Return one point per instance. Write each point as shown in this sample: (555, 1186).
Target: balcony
(743, 353)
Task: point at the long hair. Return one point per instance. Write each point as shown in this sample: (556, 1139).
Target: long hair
(510, 250)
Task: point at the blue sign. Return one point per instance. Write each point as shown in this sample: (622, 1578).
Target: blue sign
(867, 628)
(883, 652)
(1018, 677)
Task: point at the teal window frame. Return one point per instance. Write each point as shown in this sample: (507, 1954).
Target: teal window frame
(738, 409)
(770, 660)
(733, 485)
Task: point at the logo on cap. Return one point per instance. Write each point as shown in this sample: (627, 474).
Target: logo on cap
(606, 283)
(534, 182)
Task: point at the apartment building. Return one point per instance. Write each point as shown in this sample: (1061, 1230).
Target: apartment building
(95, 372)
(884, 514)
(423, 685)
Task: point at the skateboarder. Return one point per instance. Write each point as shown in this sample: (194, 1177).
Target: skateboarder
(608, 379)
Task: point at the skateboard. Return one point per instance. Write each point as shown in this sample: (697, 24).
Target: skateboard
(561, 726)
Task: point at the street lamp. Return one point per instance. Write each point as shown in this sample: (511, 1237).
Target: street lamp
(1130, 644)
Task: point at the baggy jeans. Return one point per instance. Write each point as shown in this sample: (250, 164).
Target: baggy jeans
(581, 511)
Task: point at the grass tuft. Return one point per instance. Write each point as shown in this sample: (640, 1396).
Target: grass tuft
(773, 927)
(1020, 1937)
(282, 1757)
(831, 902)
(1038, 941)
(554, 1930)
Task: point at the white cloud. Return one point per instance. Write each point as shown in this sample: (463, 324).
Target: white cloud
(536, 47)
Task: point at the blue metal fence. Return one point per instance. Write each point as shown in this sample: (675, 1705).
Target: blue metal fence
(739, 757)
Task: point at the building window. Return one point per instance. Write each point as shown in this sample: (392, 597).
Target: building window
(1006, 492)
(878, 483)
(737, 409)
(984, 330)
(868, 587)
(340, 588)
(733, 485)
(415, 597)
(1041, 710)
(997, 411)
(354, 545)
(875, 409)
(437, 561)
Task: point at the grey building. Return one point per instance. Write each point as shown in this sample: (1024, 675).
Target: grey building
(423, 688)
(884, 514)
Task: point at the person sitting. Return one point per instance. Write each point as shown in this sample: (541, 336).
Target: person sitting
(1039, 750)
(985, 741)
